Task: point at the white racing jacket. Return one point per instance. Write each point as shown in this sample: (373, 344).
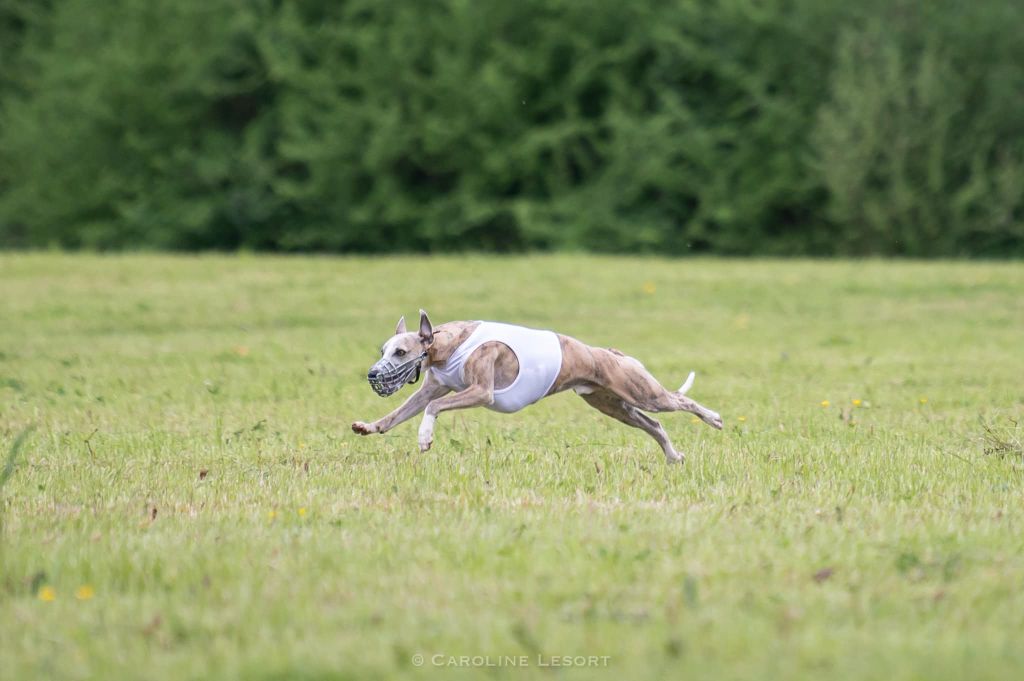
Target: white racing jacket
(540, 359)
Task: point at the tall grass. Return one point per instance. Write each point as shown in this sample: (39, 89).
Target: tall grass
(194, 506)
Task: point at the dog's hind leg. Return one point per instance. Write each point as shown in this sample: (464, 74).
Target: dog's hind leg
(629, 379)
(610, 404)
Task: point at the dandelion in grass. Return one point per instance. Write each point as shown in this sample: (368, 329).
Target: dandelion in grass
(47, 593)
(856, 402)
(923, 399)
(650, 288)
(84, 592)
(741, 419)
(825, 403)
(694, 419)
(302, 512)
(271, 515)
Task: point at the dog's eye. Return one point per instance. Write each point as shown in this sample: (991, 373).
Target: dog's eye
(400, 352)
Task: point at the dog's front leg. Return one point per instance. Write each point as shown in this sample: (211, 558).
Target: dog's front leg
(478, 374)
(416, 403)
(473, 396)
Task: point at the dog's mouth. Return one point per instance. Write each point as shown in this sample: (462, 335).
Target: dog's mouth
(387, 378)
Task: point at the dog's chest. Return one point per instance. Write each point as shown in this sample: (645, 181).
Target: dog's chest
(449, 375)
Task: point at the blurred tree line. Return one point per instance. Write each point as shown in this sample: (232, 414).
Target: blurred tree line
(723, 126)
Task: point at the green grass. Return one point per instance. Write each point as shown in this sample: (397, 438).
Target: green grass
(191, 464)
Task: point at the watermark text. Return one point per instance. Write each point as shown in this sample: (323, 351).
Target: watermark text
(538, 660)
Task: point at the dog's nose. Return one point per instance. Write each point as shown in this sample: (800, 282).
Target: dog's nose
(372, 374)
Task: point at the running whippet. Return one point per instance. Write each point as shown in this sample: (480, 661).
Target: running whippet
(505, 368)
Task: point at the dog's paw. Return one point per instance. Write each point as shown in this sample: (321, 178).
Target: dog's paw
(713, 420)
(363, 428)
(426, 438)
(426, 432)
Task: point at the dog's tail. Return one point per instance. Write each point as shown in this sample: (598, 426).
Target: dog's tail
(688, 384)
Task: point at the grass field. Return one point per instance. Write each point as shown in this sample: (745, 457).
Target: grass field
(192, 504)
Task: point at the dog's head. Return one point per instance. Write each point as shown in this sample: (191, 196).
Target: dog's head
(401, 357)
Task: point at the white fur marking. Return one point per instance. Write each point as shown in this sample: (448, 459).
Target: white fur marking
(583, 390)
(688, 384)
(426, 434)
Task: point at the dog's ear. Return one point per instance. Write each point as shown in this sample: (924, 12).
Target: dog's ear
(401, 326)
(426, 329)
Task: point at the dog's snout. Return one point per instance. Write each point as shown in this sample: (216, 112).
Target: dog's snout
(372, 373)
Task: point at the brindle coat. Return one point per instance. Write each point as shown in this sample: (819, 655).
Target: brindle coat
(609, 381)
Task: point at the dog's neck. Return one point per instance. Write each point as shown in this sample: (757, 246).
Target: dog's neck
(447, 337)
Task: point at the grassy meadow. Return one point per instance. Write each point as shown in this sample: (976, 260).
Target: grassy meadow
(191, 503)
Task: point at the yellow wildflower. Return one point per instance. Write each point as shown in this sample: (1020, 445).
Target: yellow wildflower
(84, 592)
(741, 418)
(825, 403)
(271, 514)
(302, 512)
(650, 288)
(47, 593)
(923, 400)
(856, 403)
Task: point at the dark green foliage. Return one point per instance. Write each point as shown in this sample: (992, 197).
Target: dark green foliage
(735, 127)
(921, 145)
